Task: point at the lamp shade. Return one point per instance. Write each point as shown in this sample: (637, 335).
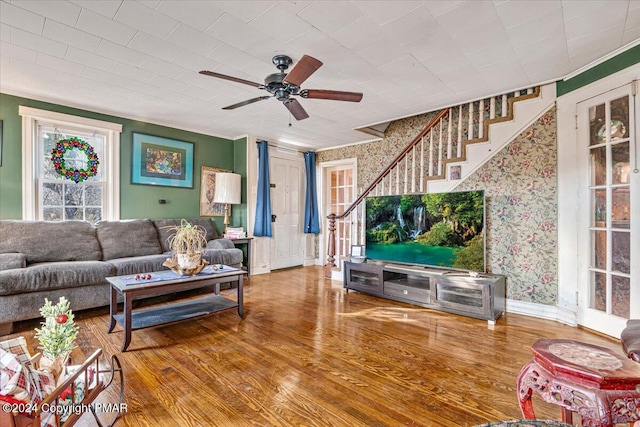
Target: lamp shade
(227, 188)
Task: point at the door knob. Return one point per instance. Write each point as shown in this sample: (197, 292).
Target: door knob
(273, 218)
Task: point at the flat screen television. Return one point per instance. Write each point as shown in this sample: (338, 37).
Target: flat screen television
(434, 229)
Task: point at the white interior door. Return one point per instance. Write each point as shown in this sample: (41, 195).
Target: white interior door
(287, 201)
(609, 253)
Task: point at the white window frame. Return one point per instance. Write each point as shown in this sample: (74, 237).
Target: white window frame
(30, 158)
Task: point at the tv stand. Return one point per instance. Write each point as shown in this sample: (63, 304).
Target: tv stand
(455, 291)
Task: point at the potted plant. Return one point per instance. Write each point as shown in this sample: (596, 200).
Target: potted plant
(186, 244)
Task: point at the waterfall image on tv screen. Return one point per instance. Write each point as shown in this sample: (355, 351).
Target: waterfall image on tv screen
(437, 229)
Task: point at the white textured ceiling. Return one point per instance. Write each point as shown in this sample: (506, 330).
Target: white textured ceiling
(140, 59)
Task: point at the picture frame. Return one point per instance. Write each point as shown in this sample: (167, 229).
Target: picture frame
(207, 191)
(161, 161)
(0, 142)
(455, 173)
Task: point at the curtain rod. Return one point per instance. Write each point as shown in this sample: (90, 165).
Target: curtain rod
(280, 147)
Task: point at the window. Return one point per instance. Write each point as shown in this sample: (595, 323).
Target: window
(49, 196)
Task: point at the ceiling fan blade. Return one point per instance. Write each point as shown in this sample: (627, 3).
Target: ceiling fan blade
(335, 95)
(302, 70)
(231, 78)
(296, 109)
(247, 102)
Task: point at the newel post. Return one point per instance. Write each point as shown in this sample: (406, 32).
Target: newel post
(331, 246)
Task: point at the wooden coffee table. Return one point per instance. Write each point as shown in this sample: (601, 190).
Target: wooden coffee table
(164, 282)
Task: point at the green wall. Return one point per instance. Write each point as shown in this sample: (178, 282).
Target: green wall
(136, 201)
(600, 71)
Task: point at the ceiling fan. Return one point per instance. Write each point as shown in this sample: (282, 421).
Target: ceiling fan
(283, 86)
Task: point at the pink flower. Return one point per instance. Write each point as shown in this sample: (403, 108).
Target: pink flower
(486, 177)
(526, 215)
(526, 266)
(546, 173)
(546, 226)
(514, 149)
(514, 200)
(546, 279)
(525, 164)
(514, 250)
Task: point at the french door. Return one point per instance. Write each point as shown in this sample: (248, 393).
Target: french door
(609, 262)
(340, 192)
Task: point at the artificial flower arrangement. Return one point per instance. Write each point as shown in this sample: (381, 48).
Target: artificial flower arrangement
(57, 335)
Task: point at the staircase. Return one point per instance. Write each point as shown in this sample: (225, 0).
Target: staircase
(453, 145)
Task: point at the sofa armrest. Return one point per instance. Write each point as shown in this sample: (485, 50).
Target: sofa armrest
(220, 244)
(12, 260)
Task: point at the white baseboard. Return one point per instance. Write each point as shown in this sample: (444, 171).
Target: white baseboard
(542, 311)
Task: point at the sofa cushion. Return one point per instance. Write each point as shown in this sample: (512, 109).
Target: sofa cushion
(12, 260)
(54, 275)
(230, 257)
(139, 264)
(44, 241)
(120, 239)
(164, 231)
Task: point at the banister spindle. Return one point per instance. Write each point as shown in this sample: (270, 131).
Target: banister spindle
(413, 169)
(470, 133)
(440, 151)
(492, 108)
(459, 145)
(481, 119)
(422, 164)
(431, 154)
(406, 169)
(449, 134)
(504, 105)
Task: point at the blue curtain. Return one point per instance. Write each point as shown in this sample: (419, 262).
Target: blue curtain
(262, 226)
(311, 218)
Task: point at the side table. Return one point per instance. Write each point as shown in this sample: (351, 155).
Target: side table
(245, 241)
(593, 381)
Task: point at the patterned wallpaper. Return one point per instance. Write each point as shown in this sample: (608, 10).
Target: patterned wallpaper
(520, 184)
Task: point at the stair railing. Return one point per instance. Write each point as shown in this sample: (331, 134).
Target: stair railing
(425, 158)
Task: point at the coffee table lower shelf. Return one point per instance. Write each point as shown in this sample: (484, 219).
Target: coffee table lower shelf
(160, 315)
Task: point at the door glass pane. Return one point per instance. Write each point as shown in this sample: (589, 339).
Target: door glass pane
(596, 121)
(599, 281)
(621, 209)
(620, 290)
(620, 163)
(620, 118)
(341, 178)
(599, 248)
(621, 251)
(598, 171)
(599, 208)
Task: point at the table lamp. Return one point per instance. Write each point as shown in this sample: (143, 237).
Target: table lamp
(228, 191)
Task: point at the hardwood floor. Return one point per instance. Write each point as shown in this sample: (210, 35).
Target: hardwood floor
(309, 354)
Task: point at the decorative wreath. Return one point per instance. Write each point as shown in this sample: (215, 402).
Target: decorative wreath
(76, 175)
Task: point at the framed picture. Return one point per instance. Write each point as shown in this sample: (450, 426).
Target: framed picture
(161, 161)
(207, 190)
(0, 142)
(455, 172)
